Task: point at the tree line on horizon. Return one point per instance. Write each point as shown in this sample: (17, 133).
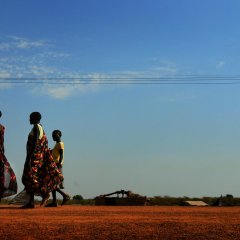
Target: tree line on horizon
(227, 200)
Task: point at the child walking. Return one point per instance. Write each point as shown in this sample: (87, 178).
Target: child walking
(57, 154)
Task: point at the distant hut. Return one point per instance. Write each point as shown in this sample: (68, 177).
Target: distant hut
(195, 203)
(121, 198)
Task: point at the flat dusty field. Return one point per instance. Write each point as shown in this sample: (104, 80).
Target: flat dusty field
(113, 223)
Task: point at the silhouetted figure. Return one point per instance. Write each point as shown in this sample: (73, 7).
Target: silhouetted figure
(57, 154)
(8, 182)
(41, 174)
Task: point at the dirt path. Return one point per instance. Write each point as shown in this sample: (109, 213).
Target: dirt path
(120, 223)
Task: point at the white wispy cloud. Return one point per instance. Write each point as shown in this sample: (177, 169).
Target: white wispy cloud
(69, 84)
(166, 70)
(5, 46)
(41, 70)
(24, 43)
(62, 91)
(4, 84)
(164, 67)
(220, 64)
(54, 54)
(26, 58)
(4, 74)
(56, 92)
(54, 83)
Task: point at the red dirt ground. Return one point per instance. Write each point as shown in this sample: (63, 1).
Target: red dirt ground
(120, 223)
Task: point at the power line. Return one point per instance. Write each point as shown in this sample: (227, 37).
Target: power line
(124, 79)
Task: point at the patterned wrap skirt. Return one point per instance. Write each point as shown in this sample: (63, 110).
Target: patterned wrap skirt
(8, 181)
(41, 174)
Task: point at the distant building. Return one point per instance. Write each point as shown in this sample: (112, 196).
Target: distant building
(196, 203)
(122, 198)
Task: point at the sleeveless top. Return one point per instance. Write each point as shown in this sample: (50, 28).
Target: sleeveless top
(31, 139)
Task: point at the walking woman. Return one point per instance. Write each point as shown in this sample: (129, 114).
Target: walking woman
(8, 182)
(41, 174)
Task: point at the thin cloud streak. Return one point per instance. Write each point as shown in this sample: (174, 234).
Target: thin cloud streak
(13, 42)
(33, 58)
(5, 85)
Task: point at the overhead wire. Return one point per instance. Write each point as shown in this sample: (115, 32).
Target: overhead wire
(125, 79)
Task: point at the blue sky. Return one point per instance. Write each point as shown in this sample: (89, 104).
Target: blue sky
(154, 139)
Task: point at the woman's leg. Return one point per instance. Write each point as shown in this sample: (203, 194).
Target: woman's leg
(54, 195)
(30, 204)
(31, 201)
(45, 198)
(54, 201)
(66, 197)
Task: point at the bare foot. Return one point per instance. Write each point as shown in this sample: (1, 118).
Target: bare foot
(65, 199)
(28, 205)
(52, 204)
(45, 199)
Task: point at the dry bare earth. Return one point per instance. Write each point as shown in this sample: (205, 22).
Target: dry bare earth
(96, 222)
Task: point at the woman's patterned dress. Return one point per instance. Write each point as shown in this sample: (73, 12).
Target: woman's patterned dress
(8, 182)
(41, 175)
